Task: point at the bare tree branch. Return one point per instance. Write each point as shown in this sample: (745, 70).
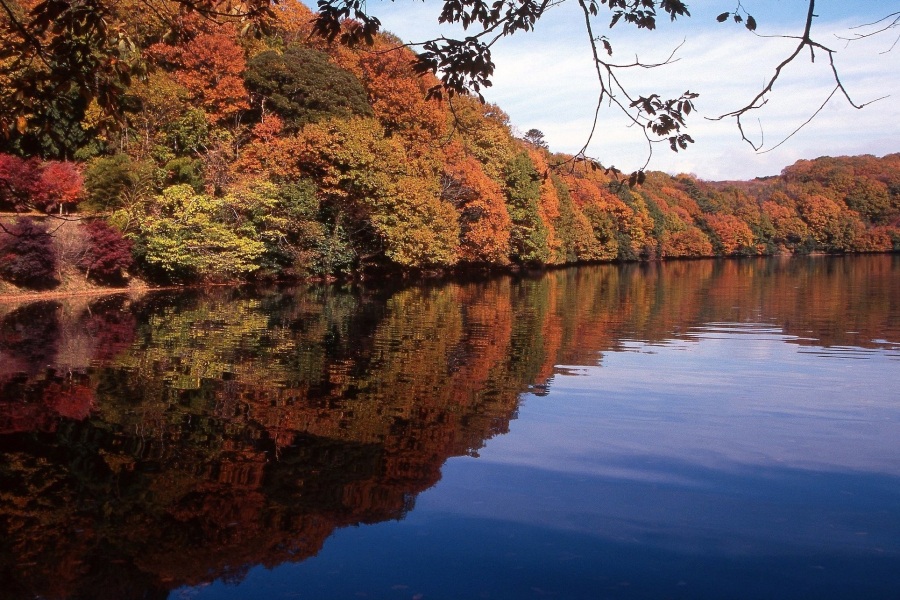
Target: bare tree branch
(805, 42)
(891, 21)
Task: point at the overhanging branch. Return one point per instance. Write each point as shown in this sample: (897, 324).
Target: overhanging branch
(805, 42)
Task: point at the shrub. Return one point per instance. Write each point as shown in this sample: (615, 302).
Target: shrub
(26, 254)
(195, 236)
(107, 255)
(107, 179)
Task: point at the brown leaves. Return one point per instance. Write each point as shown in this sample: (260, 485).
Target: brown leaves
(749, 22)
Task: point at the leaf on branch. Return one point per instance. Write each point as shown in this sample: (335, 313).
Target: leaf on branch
(738, 18)
(464, 66)
(680, 141)
(606, 45)
(751, 23)
(723, 17)
(637, 178)
(675, 8)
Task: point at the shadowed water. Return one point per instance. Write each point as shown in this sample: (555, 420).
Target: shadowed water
(708, 429)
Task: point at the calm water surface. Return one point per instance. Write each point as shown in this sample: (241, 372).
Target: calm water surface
(711, 429)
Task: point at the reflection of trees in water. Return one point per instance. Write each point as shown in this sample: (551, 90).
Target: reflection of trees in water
(240, 430)
(29, 337)
(234, 428)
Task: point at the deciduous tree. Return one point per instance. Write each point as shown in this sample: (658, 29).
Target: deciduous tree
(732, 235)
(62, 185)
(529, 234)
(195, 236)
(107, 254)
(26, 254)
(483, 216)
(210, 66)
(20, 181)
(301, 85)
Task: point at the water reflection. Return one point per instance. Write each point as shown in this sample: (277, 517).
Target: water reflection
(150, 443)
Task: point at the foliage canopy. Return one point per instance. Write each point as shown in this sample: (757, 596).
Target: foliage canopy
(302, 85)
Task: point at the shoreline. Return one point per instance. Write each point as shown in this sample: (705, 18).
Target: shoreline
(7, 297)
(11, 296)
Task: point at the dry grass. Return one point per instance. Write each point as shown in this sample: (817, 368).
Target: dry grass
(72, 283)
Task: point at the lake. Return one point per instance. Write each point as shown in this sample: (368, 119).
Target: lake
(697, 430)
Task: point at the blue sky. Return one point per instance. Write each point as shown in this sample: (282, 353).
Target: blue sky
(544, 79)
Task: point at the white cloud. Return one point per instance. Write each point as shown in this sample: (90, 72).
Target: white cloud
(545, 79)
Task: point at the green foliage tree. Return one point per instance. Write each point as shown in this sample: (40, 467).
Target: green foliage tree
(569, 226)
(194, 236)
(871, 198)
(299, 239)
(111, 181)
(302, 85)
(528, 238)
(606, 234)
(189, 134)
(535, 137)
(185, 170)
(55, 130)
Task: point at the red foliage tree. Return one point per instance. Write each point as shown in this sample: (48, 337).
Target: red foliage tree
(20, 182)
(108, 254)
(26, 254)
(61, 185)
(26, 183)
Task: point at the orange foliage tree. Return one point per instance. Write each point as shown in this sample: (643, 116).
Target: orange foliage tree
(210, 66)
(828, 222)
(398, 95)
(484, 220)
(732, 235)
(365, 177)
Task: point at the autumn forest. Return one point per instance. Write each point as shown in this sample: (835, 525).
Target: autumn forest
(258, 157)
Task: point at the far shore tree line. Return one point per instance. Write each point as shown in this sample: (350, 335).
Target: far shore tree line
(288, 155)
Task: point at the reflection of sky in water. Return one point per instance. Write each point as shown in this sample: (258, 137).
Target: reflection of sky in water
(722, 400)
(729, 443)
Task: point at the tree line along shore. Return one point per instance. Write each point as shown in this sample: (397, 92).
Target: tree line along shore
(240, 158)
